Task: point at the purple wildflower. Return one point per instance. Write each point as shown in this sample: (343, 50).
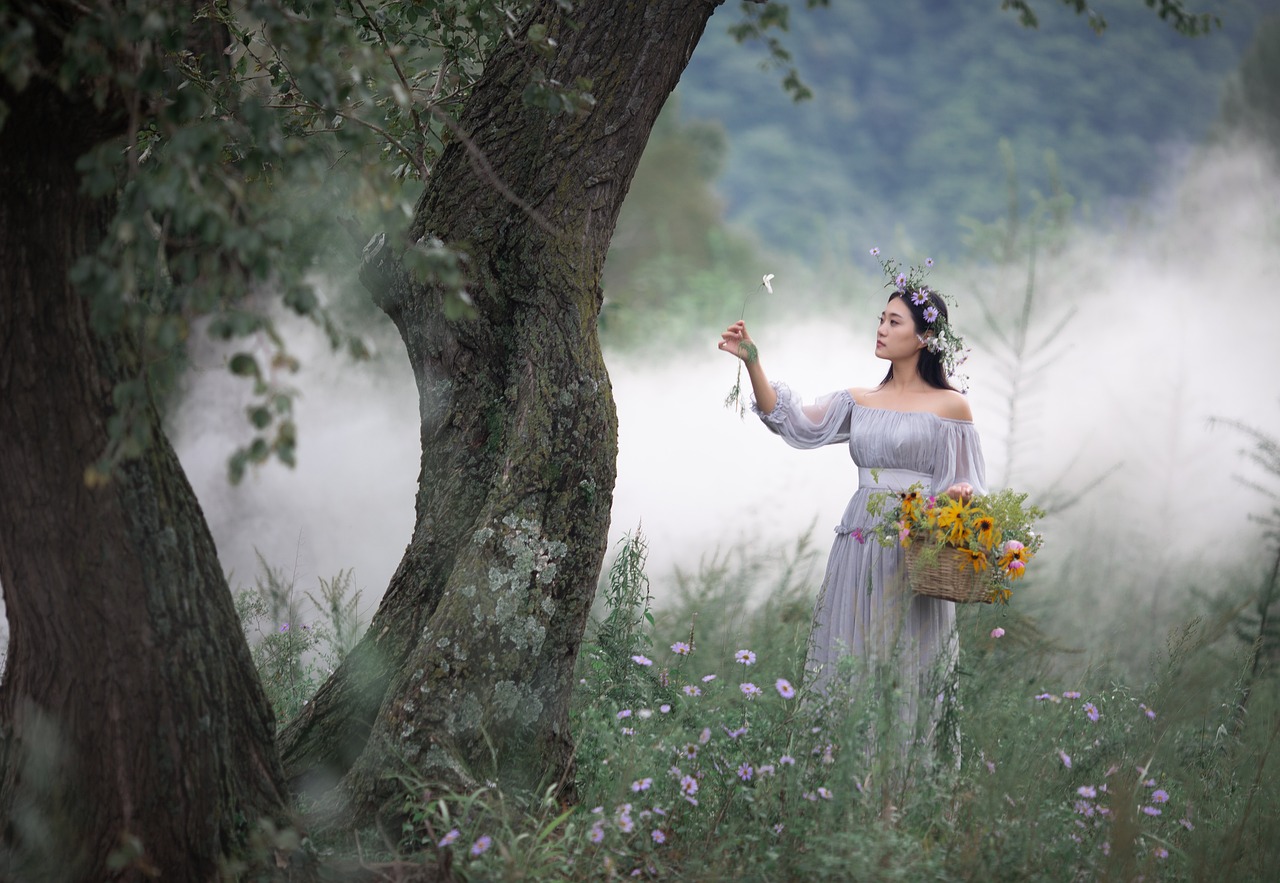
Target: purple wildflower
(785, 690)
(448, 838)
(641, 659)
(744, 657)
(681, 648)
(930, 314)
(481, 846)
(745, 771)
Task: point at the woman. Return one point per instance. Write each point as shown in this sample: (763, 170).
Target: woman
(912, 427)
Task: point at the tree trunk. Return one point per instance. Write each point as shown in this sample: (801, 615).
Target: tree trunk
(465, 674)
(135, 740)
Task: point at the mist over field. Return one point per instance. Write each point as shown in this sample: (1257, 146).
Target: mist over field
(1173, 327)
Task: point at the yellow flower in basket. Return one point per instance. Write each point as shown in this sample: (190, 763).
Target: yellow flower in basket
(951, 523)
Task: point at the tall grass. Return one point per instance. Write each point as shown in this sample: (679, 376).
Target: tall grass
(701, 757)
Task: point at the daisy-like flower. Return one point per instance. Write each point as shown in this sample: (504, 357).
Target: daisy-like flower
(692, 690)
(1065, 758)
(706, 679)
(1161, 852)
(767, 282)
(681, 648)
(787, 760)
(624, 714)
(658, 836)
(689, 750)
(930, 314)
(745, 771)
(951, 523)
(481, 846)
(785, 690)
(765, 769)
(1160, 796)
(824, 793)
(750, 690)
(1043, 696)
(900, 281)
(705, 736)
(597, 833)
(997, 632)
(640, 659)
(1087, 791)
(733, 734)
(644, 714)
(1151, 810)
(449, 838)
(1091, 711)
(744, 657)
(1151, 715)
(985, 527)
(688, 786)
(642, 784)
(779, 828)
(928, 262)
(875, 252)
(1071, 694)
(628, 731)
(919, 297)
(664, 708)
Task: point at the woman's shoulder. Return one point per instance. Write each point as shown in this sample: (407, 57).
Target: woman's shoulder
(946, 403)
(953, 405)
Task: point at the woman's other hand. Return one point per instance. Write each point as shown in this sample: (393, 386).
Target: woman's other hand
(736, 341)
(962, 491)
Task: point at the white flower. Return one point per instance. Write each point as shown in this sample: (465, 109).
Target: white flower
(768, 282)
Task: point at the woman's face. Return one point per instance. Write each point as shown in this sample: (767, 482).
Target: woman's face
(896, 338)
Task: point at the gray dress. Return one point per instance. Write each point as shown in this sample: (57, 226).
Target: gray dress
(865, 609)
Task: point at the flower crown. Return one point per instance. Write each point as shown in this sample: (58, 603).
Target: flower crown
(941, 338)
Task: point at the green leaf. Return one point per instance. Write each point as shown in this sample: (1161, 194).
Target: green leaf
(244, 365)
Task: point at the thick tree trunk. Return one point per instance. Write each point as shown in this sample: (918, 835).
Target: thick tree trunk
(135, 740)
(466, 672)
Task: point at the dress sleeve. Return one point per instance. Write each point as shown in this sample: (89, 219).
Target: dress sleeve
(825, 422)
(959, 457)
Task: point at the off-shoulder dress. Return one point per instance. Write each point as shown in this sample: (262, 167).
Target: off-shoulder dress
(865, 608)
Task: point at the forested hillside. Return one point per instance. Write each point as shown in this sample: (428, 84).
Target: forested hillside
(912, 98)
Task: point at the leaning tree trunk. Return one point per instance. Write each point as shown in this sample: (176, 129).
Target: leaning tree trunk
(135, 739)
(465, 674)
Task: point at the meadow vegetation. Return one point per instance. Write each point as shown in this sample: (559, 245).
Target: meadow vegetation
(702, 756)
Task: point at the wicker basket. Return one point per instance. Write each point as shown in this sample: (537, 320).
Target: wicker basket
(949, 576)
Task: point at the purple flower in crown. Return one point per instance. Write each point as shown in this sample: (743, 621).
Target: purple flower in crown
(931, 314)
(901, 281)
(920, 297)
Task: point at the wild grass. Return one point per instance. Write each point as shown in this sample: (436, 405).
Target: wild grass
(1067, 771)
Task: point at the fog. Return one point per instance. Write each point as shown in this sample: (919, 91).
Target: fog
(1174, 326)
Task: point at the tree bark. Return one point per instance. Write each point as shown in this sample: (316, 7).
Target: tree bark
(466, 671)
(135, 739)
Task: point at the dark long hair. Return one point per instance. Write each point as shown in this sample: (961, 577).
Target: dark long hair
(929, 365)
